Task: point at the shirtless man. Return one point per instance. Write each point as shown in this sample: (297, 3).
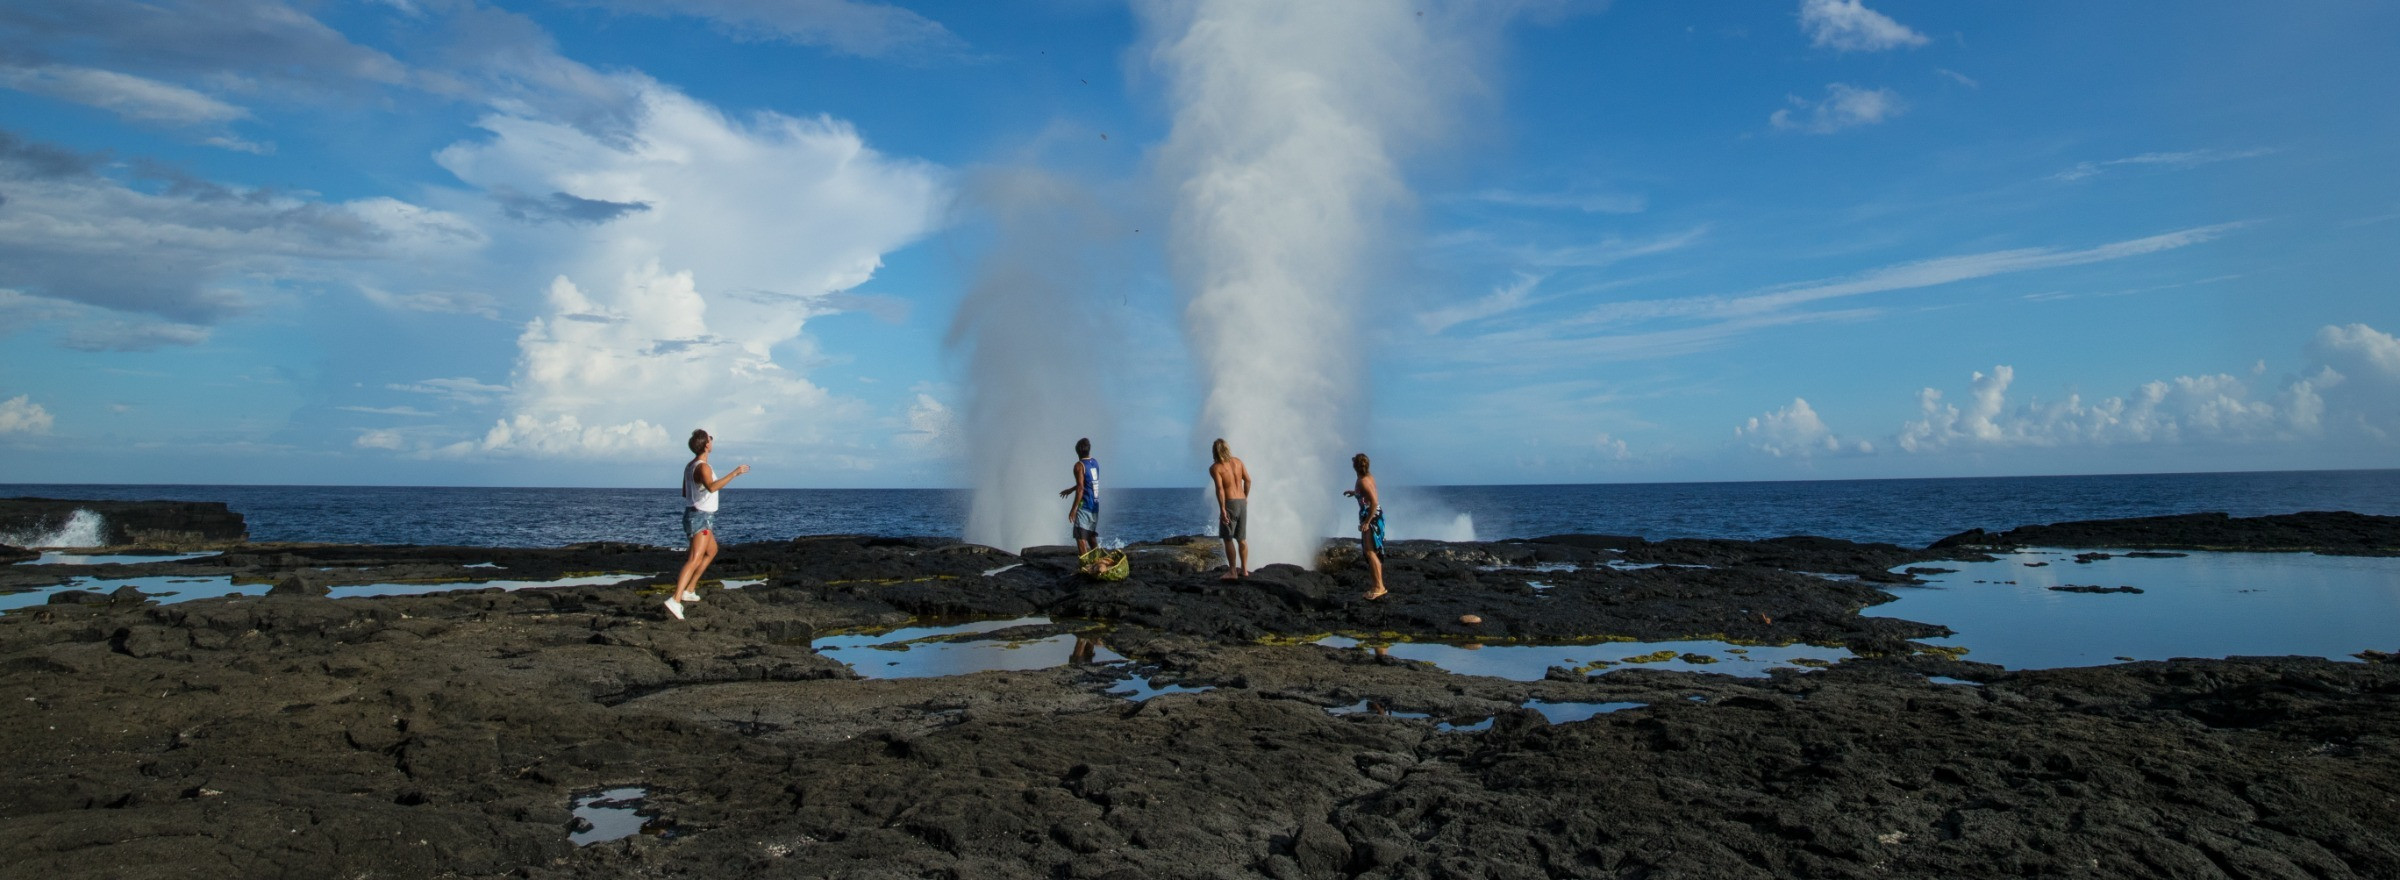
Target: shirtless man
(1232, 480)
(1370, 521)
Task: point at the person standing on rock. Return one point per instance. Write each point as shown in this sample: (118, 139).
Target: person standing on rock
(1370, 521)
(700, 487)
(1232, 480)
(1084, 514)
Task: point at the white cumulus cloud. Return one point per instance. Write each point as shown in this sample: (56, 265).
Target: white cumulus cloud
(1844, 106)
(1795, 431)
(1849, 26)
(2350, 392)
(690, 312)
(20, 415)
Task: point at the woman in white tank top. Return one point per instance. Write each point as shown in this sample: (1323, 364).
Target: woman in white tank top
(700, 487)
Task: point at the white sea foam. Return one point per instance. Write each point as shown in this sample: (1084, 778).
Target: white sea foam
(83, 528)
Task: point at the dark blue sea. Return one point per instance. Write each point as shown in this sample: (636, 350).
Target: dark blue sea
(1907, 512)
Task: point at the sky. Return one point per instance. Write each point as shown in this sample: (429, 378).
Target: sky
(445, 242)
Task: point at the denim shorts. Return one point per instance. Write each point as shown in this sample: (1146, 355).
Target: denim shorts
(697, 521)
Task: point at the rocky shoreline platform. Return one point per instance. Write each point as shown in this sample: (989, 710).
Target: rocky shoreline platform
(1215, 731)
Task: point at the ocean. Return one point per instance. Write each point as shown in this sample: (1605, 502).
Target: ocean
(1908, 512)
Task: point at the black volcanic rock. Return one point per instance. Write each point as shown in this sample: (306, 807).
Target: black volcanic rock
(10, 553)
(448, 734)
(164, 525)
(2323, 532)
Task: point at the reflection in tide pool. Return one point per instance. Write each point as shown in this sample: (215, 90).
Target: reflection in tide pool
(615, 814)
(69, 557)
(2199, 605)
(363, 590)
(1532, 662)
(920, 652)
(1561, 713)
(172, 589)
(165, 589)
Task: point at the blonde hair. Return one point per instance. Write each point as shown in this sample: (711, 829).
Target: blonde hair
(1220, 450)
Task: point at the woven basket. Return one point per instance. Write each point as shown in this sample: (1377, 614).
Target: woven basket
(1104, 564)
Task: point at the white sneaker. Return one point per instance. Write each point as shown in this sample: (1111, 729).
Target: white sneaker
(675, 608)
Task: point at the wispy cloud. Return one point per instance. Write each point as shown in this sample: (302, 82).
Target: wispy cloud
(132, 97)
(1630, 329)
(1505, 298)
(1604, 251)
(850, 27)
(480, 305)
(409, 411)
(1959, 78)
(2175, 160)
(1566, 200)
(1849, 26)
(461, 389)
(1844, 106)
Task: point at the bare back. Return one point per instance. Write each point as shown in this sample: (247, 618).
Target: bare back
(1232, 479)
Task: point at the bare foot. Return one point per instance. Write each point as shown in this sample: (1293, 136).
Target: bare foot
(1377, 594)
(1230, 576)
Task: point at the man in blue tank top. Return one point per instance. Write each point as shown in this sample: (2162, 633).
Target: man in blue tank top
(1085, 514)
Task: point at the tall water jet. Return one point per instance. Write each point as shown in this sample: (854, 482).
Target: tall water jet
(1290, 121)
(1036, 346)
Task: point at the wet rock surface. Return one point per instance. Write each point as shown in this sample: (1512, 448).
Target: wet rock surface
(2337, 532)
(155, 524)
(449, 734)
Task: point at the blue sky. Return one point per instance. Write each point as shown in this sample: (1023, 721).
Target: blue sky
(444, 242)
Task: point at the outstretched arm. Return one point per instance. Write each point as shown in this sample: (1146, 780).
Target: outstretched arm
(708, 476)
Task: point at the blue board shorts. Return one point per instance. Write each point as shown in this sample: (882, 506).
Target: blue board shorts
(1374, 539)
(697, 521)
(1087, 524)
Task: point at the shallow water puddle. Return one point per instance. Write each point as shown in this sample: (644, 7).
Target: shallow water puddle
(1138, 689)
(1562, 713)
(2198, 605)
(364, 590)
(1532, 662)
(172, 589)
(922, 652)
(1535, 568)
(162, 588)
(69, 557)
(616, 814)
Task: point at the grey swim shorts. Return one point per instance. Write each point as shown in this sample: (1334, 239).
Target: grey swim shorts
(1236, 524)
(1087, 524)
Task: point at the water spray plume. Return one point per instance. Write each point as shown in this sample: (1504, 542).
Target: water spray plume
(1032, 332)
(1290, 120)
